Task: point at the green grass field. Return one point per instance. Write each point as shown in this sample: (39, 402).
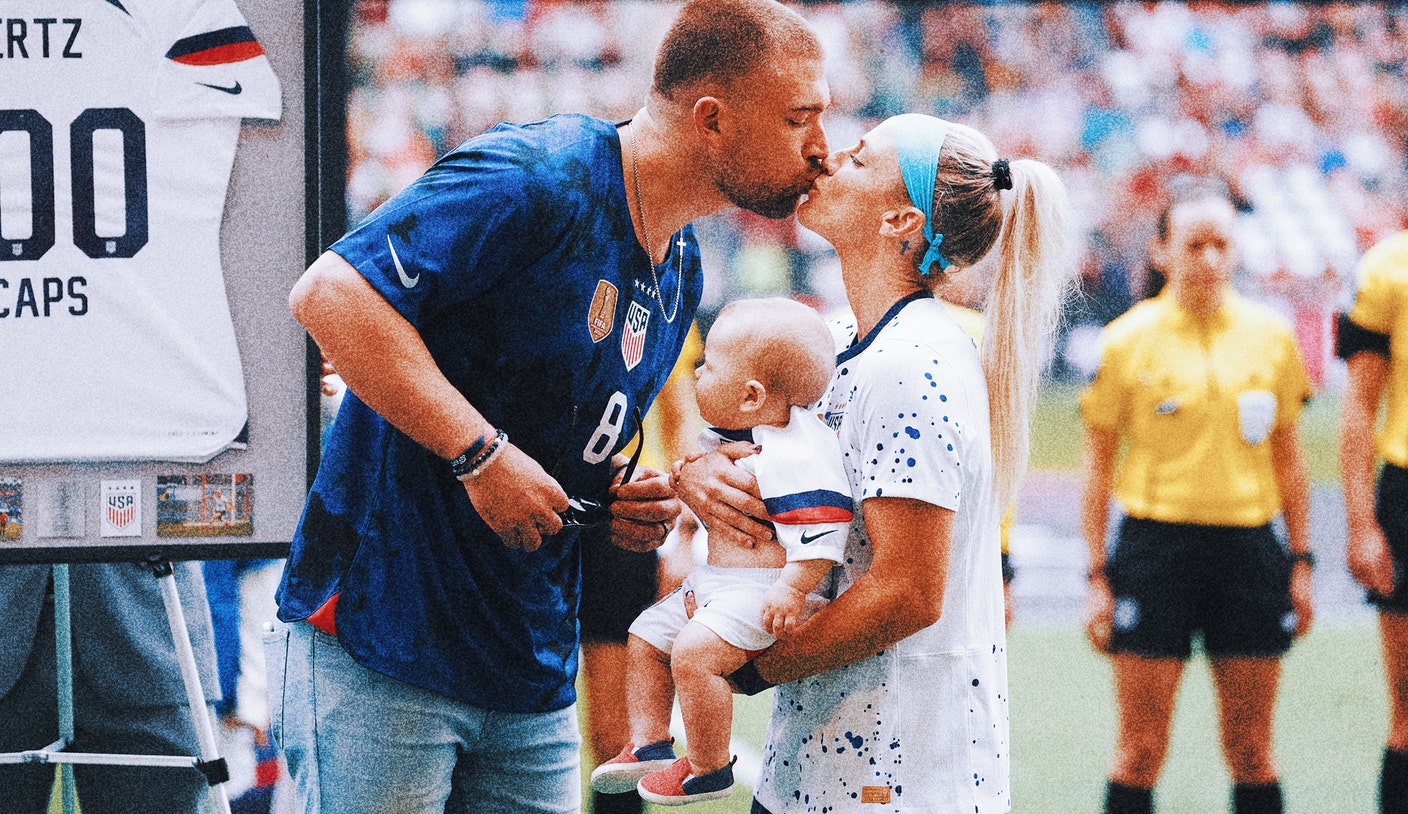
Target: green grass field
(1329, 729)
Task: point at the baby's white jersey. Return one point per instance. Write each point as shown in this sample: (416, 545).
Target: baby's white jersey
(922, 726)
(118, 126)
(801, 480)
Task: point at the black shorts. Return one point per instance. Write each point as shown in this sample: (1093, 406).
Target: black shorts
(1172, 580)
(616, 586)
(1391, 510)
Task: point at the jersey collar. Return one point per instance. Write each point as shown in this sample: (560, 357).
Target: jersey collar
(858, 348)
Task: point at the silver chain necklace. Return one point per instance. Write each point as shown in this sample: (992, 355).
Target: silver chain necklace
(650, 254)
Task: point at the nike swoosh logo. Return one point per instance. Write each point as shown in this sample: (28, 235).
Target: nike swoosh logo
(406, 280)
(808, 538)
(233, 91)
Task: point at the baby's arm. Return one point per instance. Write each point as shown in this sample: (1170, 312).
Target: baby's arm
(787, 598)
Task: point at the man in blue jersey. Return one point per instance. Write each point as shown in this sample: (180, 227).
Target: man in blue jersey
(502, 325)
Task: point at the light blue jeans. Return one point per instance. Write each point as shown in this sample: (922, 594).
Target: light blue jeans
(358, 742)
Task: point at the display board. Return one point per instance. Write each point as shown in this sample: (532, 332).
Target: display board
(152, 222)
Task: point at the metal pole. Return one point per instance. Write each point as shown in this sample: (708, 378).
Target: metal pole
(63, 648)
(195, 696)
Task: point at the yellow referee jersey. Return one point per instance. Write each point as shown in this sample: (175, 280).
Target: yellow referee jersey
(1196, 400)
(1381, 306)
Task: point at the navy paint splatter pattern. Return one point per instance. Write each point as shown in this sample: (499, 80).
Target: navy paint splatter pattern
(496, 255)
(921, 725)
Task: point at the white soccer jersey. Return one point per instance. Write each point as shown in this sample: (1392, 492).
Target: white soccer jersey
(923, 725)
(802, 483)
(118, 126)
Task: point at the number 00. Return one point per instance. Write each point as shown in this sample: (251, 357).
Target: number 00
(41, 182)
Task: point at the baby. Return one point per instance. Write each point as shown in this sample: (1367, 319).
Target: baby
(766, 363)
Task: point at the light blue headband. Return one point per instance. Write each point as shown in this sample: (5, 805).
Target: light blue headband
(918, 141)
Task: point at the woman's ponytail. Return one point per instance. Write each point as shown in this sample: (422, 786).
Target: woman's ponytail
(1032, 279)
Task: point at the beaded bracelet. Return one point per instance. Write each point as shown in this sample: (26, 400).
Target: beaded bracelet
(460, 464)
(478, 465)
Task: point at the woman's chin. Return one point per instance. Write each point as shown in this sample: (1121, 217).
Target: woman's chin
(804, 212)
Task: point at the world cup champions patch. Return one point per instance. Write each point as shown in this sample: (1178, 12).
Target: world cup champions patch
(601, 318)
(122, 508)
(633, 334)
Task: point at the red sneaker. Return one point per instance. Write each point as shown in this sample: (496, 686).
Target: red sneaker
(621, 773)
(678, 785)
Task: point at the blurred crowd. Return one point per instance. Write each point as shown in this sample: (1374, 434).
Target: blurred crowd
(1301, 109)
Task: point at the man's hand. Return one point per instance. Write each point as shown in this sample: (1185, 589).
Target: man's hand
(325, 381)
(643, 512)
(517, 499)
(724, 497)
(782, 609)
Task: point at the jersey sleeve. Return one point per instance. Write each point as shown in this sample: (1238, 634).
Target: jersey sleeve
(214, 67)
(1292, 382)
(450, 236)
(1103, 402)
(804, 487)
(915, 416)
(1376, 303)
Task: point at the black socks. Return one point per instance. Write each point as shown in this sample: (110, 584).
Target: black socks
(1261, 798)
(1393, 783)
(1122, 799)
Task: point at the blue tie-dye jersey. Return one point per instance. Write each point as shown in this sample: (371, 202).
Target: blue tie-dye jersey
(515, 258)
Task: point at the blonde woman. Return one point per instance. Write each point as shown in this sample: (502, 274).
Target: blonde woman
(895, 695)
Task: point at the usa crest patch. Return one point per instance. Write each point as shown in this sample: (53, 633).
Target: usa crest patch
(633, 334)
(122, 508)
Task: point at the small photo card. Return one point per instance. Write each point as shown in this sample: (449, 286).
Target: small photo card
(122, 508)
(11, 507)
(205, 504)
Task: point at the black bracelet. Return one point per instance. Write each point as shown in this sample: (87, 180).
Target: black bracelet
(486, 457)
(1306, 557)
(461, 464)
(747, 680)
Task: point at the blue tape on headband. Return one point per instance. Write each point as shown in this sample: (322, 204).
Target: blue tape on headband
(918, 140)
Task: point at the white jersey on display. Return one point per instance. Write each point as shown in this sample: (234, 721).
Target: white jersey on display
(118, 126)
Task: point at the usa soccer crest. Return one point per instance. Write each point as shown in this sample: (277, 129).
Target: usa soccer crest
(122, 508)
(633, 334)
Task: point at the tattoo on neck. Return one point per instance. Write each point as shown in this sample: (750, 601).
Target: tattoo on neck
(904, 247)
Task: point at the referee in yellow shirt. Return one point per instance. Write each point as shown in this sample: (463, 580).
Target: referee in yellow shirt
(1373, 340)
(1204, 388)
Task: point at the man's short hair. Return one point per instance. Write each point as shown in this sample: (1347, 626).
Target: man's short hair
(721, 41)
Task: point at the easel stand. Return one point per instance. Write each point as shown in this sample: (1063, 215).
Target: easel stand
(209, 763)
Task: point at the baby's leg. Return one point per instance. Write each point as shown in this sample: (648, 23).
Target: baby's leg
(699, 662)
(650, 691)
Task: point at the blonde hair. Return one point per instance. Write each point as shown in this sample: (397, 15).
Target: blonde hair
(789, 346)
(1033, 277)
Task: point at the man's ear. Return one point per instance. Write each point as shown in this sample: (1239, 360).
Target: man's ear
(755, 395)
(707, 113)
(904, 223)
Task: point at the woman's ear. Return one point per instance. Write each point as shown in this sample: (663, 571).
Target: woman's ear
(905, 223)
(755, 395)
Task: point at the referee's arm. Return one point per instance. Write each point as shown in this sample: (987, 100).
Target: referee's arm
(1293, 482)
